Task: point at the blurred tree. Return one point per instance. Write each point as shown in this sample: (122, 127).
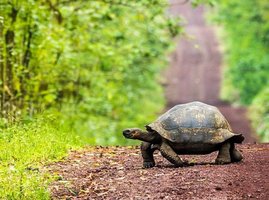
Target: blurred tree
(246, 29)
(96, 61)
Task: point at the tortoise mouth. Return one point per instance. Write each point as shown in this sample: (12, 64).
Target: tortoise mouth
(127, 133)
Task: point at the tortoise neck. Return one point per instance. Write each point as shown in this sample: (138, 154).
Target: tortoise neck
(150, 137)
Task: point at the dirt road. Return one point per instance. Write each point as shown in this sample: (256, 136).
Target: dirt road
(116, 173)
(195, 71)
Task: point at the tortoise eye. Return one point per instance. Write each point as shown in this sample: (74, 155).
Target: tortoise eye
(136, 133)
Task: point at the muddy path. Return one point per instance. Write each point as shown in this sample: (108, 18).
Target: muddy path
(196, 68)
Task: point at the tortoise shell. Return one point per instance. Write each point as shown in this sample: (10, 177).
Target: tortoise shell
(193, 122)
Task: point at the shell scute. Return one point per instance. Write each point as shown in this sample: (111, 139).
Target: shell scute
(193, 122)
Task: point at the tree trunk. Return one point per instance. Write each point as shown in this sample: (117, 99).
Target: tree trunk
(2, 72)
(8, 86)
(25, 62)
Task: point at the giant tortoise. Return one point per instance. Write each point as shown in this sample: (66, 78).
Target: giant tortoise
(191, 128)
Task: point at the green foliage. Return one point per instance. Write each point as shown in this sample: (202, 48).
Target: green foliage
(259, 112)
(198, 2)
(24, 149)
(246, 29)
(96, 61)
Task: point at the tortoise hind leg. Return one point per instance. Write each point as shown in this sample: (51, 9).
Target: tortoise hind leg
(147, 154)
(171, 155)
(236, 156)
(224, 154)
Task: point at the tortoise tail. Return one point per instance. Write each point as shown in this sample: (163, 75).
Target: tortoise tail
(238, 138)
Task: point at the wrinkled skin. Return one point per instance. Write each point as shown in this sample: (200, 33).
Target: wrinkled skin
(153, 141)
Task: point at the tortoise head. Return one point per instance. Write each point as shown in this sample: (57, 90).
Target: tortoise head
(132, 133)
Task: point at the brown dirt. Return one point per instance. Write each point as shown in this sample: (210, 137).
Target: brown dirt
(116, 173)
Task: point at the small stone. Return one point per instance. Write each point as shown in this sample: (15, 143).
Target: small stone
(218, 188)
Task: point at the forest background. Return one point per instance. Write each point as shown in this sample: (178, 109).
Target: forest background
(77, 72)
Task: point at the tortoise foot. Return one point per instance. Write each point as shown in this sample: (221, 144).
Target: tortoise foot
(179, 165)
(184, 163)
(148, 164)
(236, 156)
(224, 154)
(222, 161)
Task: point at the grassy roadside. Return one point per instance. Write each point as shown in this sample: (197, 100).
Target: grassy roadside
(29, 145)
(24, 149)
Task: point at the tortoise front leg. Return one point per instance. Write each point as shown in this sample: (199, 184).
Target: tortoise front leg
(224, 154)
(147, 154)
(171, 155)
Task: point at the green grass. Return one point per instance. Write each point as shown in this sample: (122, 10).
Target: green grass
(26, 147)
(29, 145)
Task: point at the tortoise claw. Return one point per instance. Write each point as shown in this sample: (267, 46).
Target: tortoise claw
(185, 163)
(222, 161)
(148, 164)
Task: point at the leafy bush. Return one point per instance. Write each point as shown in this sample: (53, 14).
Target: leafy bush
(246, 29)
(96, 61)
(246, 78)
(259, 112)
